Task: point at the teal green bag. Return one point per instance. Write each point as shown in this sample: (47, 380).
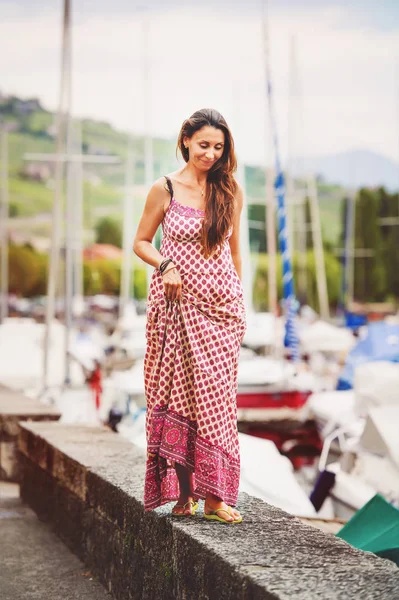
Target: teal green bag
(375, 528)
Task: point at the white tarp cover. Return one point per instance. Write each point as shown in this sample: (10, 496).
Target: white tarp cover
(22, 349)
(263, 329)
(324, 337)
(376, 384)
(333, 407)
(268, 475)
(381, 433)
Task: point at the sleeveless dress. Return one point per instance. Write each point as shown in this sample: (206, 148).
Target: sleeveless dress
(190, 367)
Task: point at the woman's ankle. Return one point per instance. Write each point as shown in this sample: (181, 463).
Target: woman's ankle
(212, 500)
(185, 496)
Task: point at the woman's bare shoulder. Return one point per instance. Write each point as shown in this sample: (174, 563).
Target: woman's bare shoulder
(239, 195)
(160, 194)
(159, 185)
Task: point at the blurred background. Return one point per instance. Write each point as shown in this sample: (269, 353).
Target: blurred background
(140, 68)
(92, 96)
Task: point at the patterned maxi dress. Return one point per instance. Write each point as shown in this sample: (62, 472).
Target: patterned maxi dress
(190, 367)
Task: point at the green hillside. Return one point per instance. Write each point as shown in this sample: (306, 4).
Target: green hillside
(30, 182)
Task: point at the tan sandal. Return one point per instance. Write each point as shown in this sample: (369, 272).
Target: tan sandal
(194, 508)
(213, 516)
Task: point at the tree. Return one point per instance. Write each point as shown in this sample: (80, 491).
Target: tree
(389, 213)
(91, 278)
(257, 225)
(24, 270)
(140, 287)
(13, 210)
(370, 272)
(260, 291)
(39, 288)
(109, 272)
(108, 231)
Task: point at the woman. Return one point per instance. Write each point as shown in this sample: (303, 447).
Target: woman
(195, 325)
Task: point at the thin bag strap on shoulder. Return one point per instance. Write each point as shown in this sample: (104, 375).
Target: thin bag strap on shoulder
(170, 186)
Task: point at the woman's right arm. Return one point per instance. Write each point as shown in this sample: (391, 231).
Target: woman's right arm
(150, 220)
(153, 214)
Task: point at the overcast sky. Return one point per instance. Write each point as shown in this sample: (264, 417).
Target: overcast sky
(209, 53)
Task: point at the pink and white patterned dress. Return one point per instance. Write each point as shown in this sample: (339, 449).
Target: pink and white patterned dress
(190, 367)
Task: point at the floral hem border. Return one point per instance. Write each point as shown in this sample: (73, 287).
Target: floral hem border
(173, 438)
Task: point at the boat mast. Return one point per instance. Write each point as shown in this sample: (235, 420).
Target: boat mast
(321, 279)
(247, 274)
(292, 147)
(148, 144)
(311, 189)
(64, 136)
(128, 229)
(61, 116)
(69, 213)
(396, 112)
(394, 221)
(271, 241)
(349, 253)
(77, 233)
(247, 271)
(4, 214)
(269, 174)
(291, 336)
(296, 194)
(350, 246)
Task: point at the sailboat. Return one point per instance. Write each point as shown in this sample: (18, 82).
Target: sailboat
(273, 390)
(368, 462)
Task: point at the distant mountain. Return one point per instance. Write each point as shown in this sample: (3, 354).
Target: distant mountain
(354, 169)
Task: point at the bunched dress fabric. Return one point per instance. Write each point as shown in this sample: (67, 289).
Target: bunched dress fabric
(190, 367)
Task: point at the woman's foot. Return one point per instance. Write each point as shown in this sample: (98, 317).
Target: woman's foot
(186, 505)
(213, 504)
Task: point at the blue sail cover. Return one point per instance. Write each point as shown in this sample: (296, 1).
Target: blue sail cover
(381, 343)
(291, 339)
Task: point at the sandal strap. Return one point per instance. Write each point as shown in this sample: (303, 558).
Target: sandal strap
(184, 506)
(227, 511)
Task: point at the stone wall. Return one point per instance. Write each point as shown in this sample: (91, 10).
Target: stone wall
(89, 484)
(15, 407)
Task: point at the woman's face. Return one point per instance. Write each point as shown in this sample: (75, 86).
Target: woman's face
(205, 147)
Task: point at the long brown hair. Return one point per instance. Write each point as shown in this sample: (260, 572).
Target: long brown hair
(221, 185)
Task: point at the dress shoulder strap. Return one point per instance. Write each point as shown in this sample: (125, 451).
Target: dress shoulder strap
(170, 186)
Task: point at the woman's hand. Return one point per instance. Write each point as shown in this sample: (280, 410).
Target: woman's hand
(172, 284)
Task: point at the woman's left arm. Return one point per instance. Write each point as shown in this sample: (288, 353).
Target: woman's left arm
(235, 236)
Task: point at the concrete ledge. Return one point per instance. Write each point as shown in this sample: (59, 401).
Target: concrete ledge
(15, 407)
(89, 483)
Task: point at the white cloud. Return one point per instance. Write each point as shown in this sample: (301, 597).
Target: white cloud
(215, 59)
